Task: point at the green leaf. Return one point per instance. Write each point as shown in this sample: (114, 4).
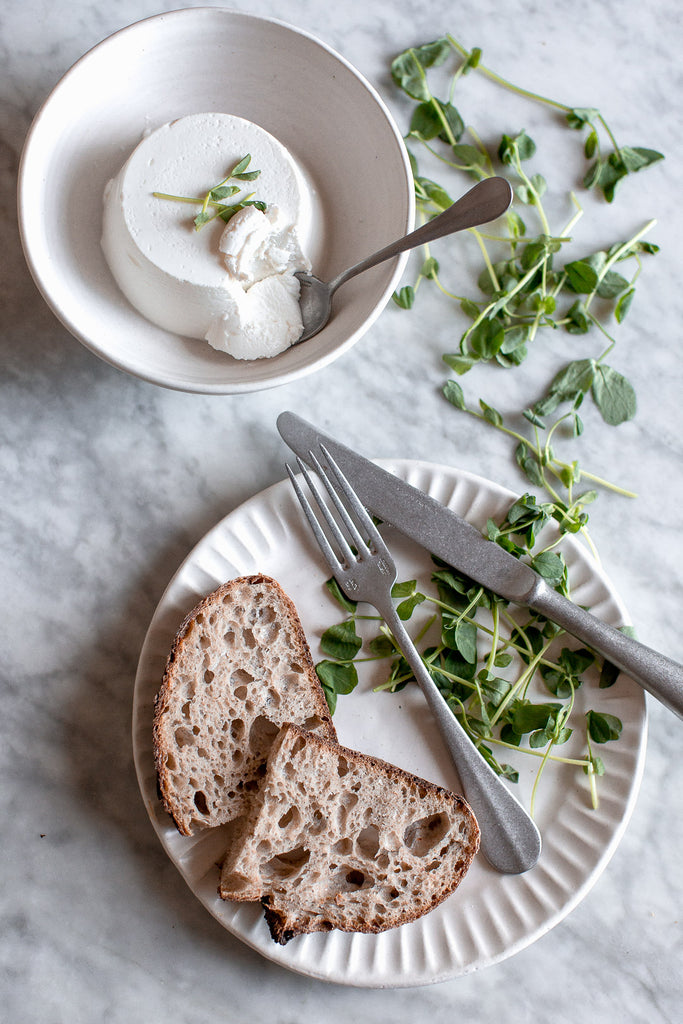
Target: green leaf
(203, 218)
(341, 641)
(226, 212)
(469, 308)
(430, 267)
(614, 395)
(516, 225)
(591, 144)
(529, 464)
(428, 191)
(634, 158)
(340, 676)
(472, 60)
(451, 584)
(539, 183)
(520, 146)
(339, 595)
(469, 156)
(550, 566)
(491, 414)
(454, 393)
(461, 364)
(434, 119)
(240, 166)
(466, 641)
(611, 285)
(608, 675)
(404, 589)
(460, 635)
(408, 69)
(583, 275)
(223, 191)
(580, 116)
(603, 727)
(330, 697)
(624, 304)
(411, 598)
(406, 608)
(578, 322)
(576, 662)
(513, 339)
(405, 297)
(527, 717)
(534, 418)
(572, 381)
(487, 337)
(557, 682)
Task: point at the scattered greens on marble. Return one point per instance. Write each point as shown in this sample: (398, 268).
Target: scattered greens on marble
(524, 287)
(213, 204)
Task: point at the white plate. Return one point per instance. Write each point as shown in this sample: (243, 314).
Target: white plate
(491, 916)
(309, 97)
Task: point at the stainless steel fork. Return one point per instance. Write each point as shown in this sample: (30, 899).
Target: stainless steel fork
(365, 571)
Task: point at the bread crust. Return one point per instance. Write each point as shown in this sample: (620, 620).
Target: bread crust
(393, 883)
(184, 714)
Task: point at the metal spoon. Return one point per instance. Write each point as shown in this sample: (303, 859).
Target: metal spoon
(487, 200)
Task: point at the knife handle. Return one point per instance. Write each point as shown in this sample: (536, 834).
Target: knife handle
(510, 840)
(657, 674)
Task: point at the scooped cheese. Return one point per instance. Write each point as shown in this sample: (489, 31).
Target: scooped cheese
(233, 284)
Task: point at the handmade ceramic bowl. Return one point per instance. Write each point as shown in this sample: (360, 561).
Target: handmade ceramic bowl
(190, 61)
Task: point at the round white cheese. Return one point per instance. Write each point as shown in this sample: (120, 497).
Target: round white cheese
(177, 276)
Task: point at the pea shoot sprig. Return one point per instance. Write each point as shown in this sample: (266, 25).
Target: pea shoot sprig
(523, 288)
(508, 679)
(213, 203)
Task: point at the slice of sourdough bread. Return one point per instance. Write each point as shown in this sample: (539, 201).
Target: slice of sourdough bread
(239, 668)
(338, 839)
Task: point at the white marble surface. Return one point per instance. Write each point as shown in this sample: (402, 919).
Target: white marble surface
(108, 482)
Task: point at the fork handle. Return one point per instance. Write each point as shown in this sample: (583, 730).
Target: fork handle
(510, 840)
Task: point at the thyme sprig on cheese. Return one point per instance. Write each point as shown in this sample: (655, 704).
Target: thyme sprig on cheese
(213, 204)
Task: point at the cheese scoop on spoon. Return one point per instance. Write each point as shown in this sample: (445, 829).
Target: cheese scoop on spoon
(485, 202)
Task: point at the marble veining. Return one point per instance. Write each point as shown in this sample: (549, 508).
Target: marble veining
(108, 482)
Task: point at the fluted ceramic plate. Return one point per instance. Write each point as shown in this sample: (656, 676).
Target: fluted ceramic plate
(191, 61)
(491, 916)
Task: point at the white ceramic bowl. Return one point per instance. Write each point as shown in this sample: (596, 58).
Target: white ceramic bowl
(190, 61)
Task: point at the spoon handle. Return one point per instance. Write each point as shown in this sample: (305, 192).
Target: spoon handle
(487, 200)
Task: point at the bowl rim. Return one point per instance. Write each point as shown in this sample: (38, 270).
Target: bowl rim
(160, 378)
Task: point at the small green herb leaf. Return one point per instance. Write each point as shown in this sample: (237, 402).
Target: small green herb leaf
(408, 69)
(614, 395)
(603, 727)
(339, 596)
(454, 394)
(341, 641)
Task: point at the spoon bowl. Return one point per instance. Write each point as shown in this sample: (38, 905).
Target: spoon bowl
(485, 202)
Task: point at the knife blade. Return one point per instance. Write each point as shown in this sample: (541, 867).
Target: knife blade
(451, 538)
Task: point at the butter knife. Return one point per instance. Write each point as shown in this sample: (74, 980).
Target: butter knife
(451, 538)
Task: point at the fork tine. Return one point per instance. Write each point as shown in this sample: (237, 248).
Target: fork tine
(354, 532)
(345, 550)
(359, 510)
(322, 540)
